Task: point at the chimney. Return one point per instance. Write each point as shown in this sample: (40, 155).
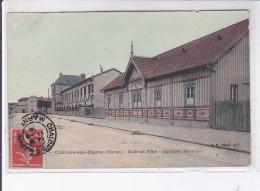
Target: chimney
(83, 76)
(132, 49)
(60, 74)
(101, 69)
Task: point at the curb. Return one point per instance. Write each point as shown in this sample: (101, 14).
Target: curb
(161, 136)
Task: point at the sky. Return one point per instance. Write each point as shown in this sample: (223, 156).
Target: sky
(42, 45)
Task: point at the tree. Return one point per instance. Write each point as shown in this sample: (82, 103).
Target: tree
(40, 104)
(43, 104)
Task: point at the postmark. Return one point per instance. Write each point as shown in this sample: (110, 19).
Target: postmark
(38, 135)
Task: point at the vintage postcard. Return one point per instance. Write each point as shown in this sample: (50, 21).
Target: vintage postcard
(161, 89)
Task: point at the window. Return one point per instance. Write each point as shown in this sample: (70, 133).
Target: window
(81, 92)
(92, 88)
(158, 98)
(137, 100)
(233, 92)
(108, 102)
(121, 101)
(89, 89)
(134, 101)
(85, 90)
(189, 95)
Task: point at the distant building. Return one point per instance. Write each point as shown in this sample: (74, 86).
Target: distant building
(12, 108)
(63, 82)
(85, 98)
(28, 105)
(181, 85)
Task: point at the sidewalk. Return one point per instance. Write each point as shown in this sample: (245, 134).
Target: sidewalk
(231, 140)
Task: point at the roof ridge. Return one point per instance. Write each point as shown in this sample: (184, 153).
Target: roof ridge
(201, 37)
(138, 56)
(69, 75)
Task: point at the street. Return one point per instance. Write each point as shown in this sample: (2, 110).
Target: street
(87, 145)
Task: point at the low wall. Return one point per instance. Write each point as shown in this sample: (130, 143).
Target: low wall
(198, 113)
(97, 112)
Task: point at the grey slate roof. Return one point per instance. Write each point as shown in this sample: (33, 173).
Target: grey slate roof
(68, 80)
(24, 99)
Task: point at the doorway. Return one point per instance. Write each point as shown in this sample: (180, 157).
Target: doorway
(88, 111)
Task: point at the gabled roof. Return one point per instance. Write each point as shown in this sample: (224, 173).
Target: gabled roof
(115, 83)
(67, 80)
(197, 53)
(145, 65)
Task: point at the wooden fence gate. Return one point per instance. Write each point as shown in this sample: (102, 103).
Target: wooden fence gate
(231, 115)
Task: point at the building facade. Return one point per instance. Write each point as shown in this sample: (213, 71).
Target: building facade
(63, 82)
(178, 87)
(28, 105)
(85, 98)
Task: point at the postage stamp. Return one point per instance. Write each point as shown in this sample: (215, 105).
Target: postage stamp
(21, 157)
(37, 136)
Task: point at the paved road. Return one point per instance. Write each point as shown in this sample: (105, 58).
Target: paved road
(101, 147)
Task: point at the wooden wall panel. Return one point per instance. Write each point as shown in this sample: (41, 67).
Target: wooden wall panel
(202, 92)
(233, 68)
(178, 95)
(150, 97)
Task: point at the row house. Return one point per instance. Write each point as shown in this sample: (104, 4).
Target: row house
(85, 98)
(179, 86)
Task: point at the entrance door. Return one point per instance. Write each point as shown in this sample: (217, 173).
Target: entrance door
(23, 110)
(88, 111)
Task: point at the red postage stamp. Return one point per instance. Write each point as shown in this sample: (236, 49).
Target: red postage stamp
(21, 157)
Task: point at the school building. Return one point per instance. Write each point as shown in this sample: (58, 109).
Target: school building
(180, 87)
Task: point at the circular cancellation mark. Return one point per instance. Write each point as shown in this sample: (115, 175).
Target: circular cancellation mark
(38, 135)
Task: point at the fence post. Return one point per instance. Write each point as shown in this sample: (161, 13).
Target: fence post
(244, 116)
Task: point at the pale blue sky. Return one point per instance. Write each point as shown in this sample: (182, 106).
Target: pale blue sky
(41, 45)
